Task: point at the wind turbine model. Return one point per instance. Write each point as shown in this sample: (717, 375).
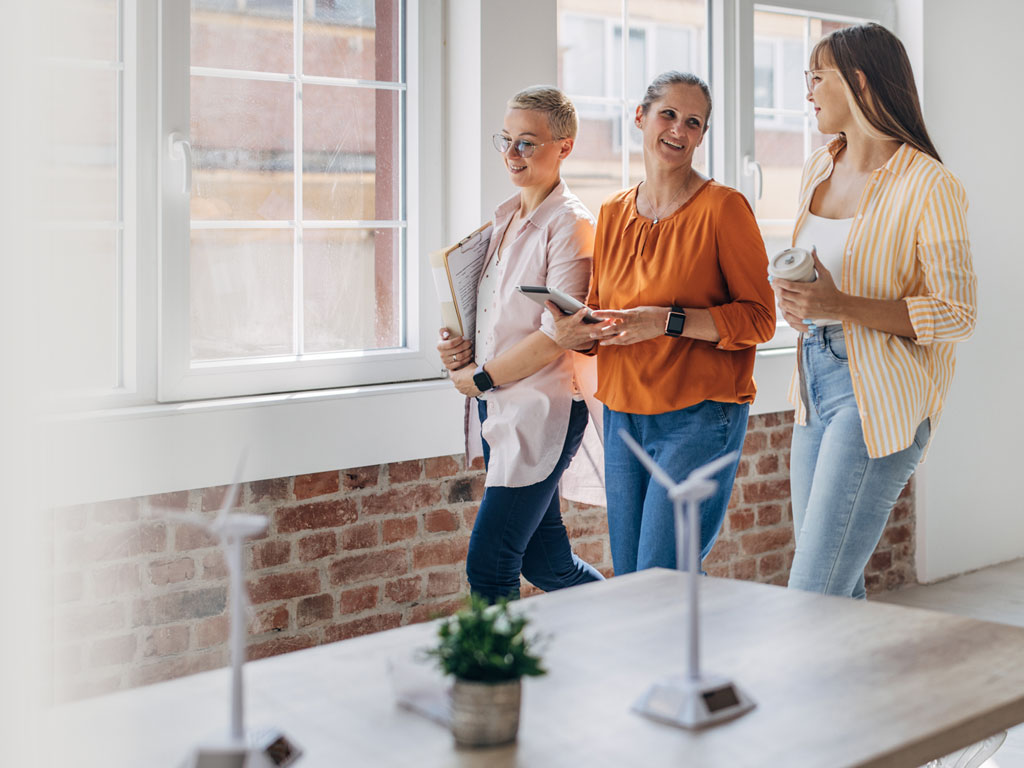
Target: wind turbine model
(693, 700)
(255, 749)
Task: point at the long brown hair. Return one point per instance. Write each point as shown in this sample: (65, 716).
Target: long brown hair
(889, 102)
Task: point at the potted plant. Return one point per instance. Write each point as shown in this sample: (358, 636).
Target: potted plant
(486, 649)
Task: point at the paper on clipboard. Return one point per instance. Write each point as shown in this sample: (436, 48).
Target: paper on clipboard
(456, 273)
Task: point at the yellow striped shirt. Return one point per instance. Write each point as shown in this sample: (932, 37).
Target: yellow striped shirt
(908, 240)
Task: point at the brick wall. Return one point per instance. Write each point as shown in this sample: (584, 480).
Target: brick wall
(139, 598)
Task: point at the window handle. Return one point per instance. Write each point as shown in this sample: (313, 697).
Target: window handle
(753, 168)
(180, 150)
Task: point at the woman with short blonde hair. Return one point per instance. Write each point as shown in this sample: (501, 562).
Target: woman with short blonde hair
(519, 381)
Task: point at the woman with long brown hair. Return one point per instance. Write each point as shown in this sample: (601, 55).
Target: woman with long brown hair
(895, 291)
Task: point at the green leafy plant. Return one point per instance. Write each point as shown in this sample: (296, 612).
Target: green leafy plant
(486, 643)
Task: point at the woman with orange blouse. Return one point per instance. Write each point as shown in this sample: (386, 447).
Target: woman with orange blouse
(680, 279)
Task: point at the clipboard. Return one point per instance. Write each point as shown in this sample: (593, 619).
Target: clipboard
(456, 271)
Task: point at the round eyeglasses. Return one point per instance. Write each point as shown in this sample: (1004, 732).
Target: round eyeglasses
(522, 147)
(810, 74)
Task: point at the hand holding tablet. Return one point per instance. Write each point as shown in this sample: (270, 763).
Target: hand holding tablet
(570, 306)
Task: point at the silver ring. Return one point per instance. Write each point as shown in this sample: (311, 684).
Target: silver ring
(455, 357)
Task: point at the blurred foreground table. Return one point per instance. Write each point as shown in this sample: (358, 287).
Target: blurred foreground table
(837, 683)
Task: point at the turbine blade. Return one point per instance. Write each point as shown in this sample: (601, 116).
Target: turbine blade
(657, 472)
(713, 467)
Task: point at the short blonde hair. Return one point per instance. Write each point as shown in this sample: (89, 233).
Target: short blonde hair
(556, 105)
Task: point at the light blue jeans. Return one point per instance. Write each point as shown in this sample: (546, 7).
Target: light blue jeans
(841, 497)
(641, 526)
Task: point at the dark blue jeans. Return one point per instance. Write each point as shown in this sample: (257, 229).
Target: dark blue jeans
(641, 525)
(520, 530)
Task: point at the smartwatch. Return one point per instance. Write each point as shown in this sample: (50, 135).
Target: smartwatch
(482, 379)
(676, 321)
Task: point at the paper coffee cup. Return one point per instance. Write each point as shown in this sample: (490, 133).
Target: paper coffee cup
(793, 264)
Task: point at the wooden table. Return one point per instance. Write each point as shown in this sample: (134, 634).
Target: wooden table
(837, 683)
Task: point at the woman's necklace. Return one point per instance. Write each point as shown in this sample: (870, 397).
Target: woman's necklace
(657, 217)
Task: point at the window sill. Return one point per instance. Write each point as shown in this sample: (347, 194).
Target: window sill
(143, 450)
(773, 369)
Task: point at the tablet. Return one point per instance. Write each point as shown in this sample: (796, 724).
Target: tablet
(563, 301)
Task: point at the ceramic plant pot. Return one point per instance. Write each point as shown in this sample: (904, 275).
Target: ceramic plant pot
(485, 714)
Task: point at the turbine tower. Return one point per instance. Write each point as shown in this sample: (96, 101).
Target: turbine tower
(696, 699)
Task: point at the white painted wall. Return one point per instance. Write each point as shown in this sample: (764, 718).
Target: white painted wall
(488, 59)
(970, 509)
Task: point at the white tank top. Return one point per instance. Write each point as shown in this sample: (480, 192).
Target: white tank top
(828, 236)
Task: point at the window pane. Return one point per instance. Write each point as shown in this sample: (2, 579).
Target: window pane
(637, 54)
(245, 170)
(350, 153)
(83, 122)
(678, 30)
(594, 169)
(674, 50)
(354, 39)
(783, 143)
(351, 287)
(777, 236)
(233, 35)
(241, 293)
(662, 36)
(764, 71)
(81, 317)
(242, 149)
(781, 155)
(794, 90)
(581, 55)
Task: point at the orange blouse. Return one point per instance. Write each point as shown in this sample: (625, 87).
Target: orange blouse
(707, 254)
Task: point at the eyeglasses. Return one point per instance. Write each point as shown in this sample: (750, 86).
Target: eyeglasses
(810, 74)
(522, 147)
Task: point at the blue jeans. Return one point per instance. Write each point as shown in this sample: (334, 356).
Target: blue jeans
(841, 497)
(641, 526)
(520, 530)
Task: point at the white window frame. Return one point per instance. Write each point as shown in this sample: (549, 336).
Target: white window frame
(124, 442)
(180, 377)
(133, 377)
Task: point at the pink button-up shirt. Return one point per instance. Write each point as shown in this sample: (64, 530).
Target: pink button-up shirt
(527, 420)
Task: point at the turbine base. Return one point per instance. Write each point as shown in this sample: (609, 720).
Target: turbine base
(693, 703)
(261, 749)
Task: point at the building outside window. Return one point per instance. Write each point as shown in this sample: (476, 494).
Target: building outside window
(298, 226)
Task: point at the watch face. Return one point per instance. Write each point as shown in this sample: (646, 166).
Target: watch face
(482, 380)
(676, 321)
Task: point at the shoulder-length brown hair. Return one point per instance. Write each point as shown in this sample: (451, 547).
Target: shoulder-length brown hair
(889, 103)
